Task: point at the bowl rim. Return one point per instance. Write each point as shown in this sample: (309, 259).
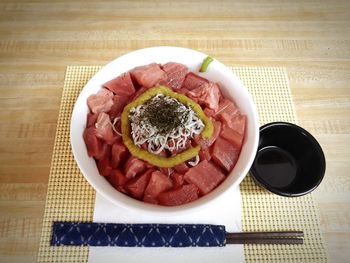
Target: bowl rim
(130, 203)
(320, 154)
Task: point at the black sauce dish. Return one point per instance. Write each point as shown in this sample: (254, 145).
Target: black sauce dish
(289, 160)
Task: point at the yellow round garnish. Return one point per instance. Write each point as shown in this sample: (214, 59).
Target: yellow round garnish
(154, 159)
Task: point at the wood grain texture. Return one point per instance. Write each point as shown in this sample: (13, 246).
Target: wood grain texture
(38, 39)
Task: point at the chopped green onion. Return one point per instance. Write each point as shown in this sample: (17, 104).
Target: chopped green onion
(205, 64)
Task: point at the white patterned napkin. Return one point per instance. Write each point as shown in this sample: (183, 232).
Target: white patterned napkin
(226, 210)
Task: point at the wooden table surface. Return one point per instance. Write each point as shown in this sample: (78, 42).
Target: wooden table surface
(39, 39)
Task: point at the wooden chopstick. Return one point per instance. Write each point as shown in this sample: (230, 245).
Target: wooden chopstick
(291, 241)
(285, 237)
(278, 234)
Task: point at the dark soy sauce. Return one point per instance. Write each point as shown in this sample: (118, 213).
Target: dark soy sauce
(275, 166)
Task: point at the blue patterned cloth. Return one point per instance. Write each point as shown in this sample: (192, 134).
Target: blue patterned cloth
(137, 235)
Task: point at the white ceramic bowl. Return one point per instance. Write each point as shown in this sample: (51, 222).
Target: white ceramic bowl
(231, 87)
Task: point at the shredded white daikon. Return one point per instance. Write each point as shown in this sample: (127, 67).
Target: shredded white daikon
(143, 131)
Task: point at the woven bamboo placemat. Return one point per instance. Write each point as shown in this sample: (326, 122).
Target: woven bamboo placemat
(71, 198)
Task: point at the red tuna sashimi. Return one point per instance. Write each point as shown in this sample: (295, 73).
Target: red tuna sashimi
(238, 124)
(193, 81)
(166, 171)
(205, 143)
(207, 95)
(225, 154)
(104, 167)
(204, 154)
(182, 195)
(121, 85)
(232, 136)
(100, 102)
(158, 183)
(104, 128)
(181, 168)
(134, 166)
(137, 93)
(91, 119)
(149, 75)
(178, 179)
(93, 144)
(205, 176)
(223, 105)
(209, 112)
(136, 186)
(119, 102)
(119, 154)
(105, 152)
(227, 111)
(117, 179)
(105, 92)
(182, 91)
(176, 74)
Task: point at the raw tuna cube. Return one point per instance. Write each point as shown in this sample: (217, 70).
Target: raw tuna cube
(105, 153)
(100, 102)
(182, 91)
(104, 128)
(149, 75)
(176, 74)
(238, 124)
(150, 199)
(93, 144)
(204, 154)
(205, 176)
(227, 112)
(166, 171)
(223, 104)
(91, 119)
(104, 167)
(136, 186)
(137, 93)
(134, 166)
(225, 154)
(182, 195)
(117, 179)
(119, 102)
(232, 136)
(158, 183)
(217, 129)
(119, 154)
(116, 138)
(105, 92)
(178, 180)
(207, 95)
(181, 168)
(209, 112)
(121, 85)
(150, 166)
(193, 81)
(208, 142)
